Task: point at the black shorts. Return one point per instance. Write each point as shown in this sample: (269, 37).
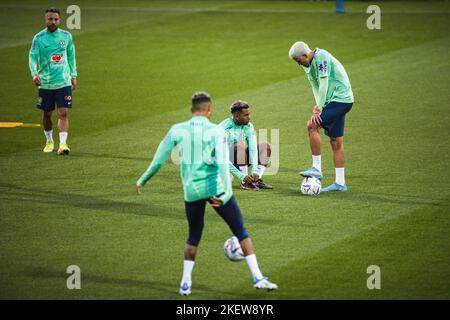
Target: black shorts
(49, 98)
(333, 118)
(230, 213)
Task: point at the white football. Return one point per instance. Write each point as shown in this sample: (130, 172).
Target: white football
(311, 186)
(233, 250)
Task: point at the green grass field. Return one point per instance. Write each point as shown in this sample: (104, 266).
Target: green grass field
(139, 63)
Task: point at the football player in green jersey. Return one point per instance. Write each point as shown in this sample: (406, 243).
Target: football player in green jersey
(334, 98)
(53, 69)
(244, 149)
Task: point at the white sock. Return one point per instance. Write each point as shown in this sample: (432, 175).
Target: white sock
(261, 170)
(317, 162)
(340, 178)
(253, 265)
(187, 270)
(244, 169)
(63, 137)
(49, 135)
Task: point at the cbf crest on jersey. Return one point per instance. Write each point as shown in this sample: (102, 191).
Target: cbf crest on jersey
(62, 44)
(323, 67)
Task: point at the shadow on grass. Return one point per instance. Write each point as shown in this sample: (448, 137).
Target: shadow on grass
(395, 199)
(169, 290)
(109, 156)
(88, 279)
(20, 194)
(286, 190)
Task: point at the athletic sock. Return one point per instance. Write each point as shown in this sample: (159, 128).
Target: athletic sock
(261, 170)
(244, 169)
(49, 135)
(187, 270)
(253, 265)
(63, 137)
(340, 177)
(317, 162)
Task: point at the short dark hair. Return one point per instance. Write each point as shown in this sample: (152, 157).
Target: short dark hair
(52, 10)
(238, 106)
(198, 98)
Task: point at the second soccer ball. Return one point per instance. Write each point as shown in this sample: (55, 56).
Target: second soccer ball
(233, 250)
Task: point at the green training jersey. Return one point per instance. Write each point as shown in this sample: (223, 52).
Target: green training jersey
(237, 133)
(52, 57)
(328, 78)
(203, 159)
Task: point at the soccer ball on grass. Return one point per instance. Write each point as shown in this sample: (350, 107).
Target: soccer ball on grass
(233, 250)
(310, 186)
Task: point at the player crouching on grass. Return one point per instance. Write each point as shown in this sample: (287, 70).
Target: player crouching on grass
(241, 137)
(334, 98)
(205, 176)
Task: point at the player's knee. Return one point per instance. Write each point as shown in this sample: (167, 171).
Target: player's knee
(190, 251)
(195, 234)
(238, 229)
(47, 114)
(243, 236)
(240, 232)
(336, 143)
(62, 114)
(311, 126)
(193, 240)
